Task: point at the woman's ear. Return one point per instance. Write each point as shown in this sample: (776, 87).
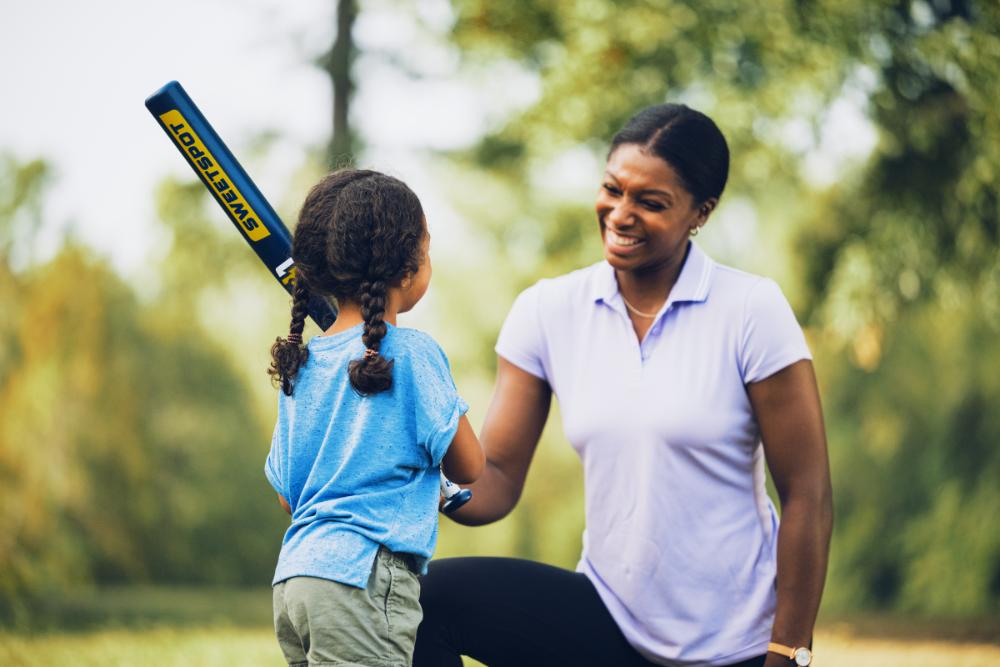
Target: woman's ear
(706, 209)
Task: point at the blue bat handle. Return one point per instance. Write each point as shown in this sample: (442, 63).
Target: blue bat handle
(232, 188)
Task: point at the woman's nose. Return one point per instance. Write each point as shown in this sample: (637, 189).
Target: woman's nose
(620, 215)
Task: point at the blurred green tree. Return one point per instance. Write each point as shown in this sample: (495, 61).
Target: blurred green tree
(338, 64)
(130, 448)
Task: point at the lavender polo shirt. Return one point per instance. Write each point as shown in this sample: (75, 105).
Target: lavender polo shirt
(680, 537)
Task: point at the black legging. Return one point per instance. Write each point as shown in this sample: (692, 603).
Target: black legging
(506, 612)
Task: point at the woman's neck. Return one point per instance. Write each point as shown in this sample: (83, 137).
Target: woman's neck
(649, 289)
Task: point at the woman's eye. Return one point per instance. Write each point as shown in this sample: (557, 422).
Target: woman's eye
(612, 189)
(653, 206)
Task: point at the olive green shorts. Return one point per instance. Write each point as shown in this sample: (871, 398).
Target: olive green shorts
(323, 622)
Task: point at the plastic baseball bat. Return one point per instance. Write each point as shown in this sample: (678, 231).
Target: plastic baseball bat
(454, 495)
(232, 188)
(247, 208)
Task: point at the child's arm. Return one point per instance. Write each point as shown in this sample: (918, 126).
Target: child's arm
(465, 459)
(284, 504)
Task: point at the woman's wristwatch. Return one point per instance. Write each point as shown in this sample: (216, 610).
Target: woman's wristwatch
(801, 656)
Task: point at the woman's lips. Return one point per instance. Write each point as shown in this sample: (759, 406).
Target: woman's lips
(620, 244)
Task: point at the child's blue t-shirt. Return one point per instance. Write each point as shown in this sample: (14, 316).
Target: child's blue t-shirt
(359, 472)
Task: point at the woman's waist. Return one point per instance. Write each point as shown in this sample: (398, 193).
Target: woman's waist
(683, 547)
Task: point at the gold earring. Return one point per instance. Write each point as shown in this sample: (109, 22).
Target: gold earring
(694, 230)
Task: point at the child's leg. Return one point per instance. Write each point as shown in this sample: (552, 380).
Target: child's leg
(288, 638)
(354, 627)
(402, 606)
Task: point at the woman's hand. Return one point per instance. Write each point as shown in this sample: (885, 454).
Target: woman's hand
(509, 436)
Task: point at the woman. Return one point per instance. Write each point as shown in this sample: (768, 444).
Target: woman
(670, 370)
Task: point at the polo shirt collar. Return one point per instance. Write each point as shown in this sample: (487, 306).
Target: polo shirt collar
(693, 283)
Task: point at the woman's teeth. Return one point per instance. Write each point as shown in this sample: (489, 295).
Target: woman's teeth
(621, 240)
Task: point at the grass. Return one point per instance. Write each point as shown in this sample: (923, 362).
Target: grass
(192, 627)
(247, 647)
(147, 607)
(166, 647)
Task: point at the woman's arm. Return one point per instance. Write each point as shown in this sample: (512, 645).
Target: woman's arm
(509, 436)
(787, 408)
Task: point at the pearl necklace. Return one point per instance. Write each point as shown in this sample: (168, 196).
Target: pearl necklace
(648, 316)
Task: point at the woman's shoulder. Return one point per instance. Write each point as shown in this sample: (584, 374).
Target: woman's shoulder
(730, 276)
(753, 301)
(742, 286)
(560, 299)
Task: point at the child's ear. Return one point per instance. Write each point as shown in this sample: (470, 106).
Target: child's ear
(406, 281)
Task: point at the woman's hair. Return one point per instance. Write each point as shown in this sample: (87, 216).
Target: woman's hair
(360, 232)
(686, 139)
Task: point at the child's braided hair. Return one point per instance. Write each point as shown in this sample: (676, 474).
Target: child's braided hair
(359, 233)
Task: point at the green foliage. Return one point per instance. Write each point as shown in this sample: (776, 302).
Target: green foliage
(20, 205)
(923, 213)
(130, 449)
(913, 444)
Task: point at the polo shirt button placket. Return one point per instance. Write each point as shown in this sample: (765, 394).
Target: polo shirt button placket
(654, 332)
(642, 352)
(632, 340)
(644, 347)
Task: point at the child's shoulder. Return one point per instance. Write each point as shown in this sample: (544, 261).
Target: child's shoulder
(417, 355)
(416, 343)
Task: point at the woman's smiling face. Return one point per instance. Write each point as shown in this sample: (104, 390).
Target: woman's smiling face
(645, 212)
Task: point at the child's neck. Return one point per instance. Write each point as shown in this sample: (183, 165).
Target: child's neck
(350, 315)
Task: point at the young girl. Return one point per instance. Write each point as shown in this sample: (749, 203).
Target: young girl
(366, 415)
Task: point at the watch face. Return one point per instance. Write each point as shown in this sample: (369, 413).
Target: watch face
(803, 657)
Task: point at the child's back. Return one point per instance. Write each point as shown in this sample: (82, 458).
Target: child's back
(367, 414)
(362, 471)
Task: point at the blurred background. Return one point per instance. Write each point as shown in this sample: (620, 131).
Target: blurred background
(136, 526)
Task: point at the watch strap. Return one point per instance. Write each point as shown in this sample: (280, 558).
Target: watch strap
(781, 649)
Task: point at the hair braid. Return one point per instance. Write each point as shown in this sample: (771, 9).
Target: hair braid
(372, 373)
(288, 354)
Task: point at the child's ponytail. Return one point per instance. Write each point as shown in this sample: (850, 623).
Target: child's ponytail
(372, 373)
(289, 354)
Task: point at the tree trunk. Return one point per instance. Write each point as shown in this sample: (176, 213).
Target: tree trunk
(337, 64)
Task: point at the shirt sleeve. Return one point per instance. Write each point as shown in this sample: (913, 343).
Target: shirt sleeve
(273, 468)
(772, 338)
(438, 405)
(521, 340)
